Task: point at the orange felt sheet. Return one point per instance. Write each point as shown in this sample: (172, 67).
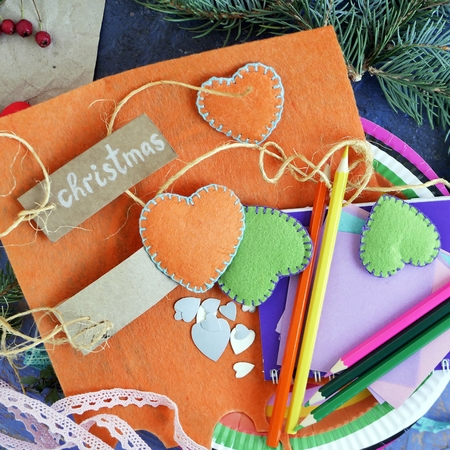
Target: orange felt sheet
(155, 352)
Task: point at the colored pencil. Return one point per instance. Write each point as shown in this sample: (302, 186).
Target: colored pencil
(392, 329)
(318, 292)
(380, 353)
(297, 318)
(369, 377)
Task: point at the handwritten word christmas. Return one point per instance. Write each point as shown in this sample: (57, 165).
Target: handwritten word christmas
(99, 175)
(120, 163)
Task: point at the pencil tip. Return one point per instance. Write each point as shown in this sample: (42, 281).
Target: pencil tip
(338, 367)
(343, 165)
(307, 421)
(316, 398)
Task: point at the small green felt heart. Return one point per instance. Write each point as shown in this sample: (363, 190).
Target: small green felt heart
(274, 245)
(396, 234)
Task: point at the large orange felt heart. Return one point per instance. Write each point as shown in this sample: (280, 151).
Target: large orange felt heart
(249, 118)
(193, 239)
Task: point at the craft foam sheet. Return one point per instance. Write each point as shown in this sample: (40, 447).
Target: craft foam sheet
(340, 328)
(319, 110)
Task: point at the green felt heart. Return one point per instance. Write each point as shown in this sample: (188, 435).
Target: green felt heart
(274, 245)
(396, 234)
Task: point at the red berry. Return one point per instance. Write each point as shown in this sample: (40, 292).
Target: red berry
(43, 39)
(14, 107)
(24, 28)
(8, 26)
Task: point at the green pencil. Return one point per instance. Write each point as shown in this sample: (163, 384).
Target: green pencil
(367, 378)
(380, 353)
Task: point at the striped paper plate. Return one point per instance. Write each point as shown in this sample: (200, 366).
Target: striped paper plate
(380, 423)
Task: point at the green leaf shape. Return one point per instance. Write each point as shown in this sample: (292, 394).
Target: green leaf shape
(396, 234)
(274, 245)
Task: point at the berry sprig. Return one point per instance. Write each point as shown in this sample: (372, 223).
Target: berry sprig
(24, 27)
(42, 38)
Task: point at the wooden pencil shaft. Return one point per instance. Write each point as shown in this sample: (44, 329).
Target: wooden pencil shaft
(296, 325)
(318, 293)
(390, 330)
(385, 349)
(392, 361)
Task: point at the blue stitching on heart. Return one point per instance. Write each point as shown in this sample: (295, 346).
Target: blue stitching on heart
(307, 257)
(367, 262)
(190, 201)
(228, 81)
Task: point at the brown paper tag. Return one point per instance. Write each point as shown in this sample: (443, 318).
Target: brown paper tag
(95, 178)
(116, 298)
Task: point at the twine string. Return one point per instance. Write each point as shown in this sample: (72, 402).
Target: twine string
(311, 172)
(7, 329)
(287, 163)
(112, 120)
(44, 206)
(110, 126)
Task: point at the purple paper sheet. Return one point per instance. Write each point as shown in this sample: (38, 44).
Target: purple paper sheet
(437, 210)
(357, 304)
(271, 310)
(290, 300)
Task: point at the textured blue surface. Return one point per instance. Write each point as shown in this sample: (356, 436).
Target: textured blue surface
(134, 36)
(417, 440)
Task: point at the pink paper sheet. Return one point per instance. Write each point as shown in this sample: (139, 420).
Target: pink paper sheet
(356, 295)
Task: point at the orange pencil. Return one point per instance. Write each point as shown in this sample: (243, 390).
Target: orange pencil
(297, 319)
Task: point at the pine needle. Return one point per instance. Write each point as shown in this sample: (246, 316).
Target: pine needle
(10, 292)
(404, 43)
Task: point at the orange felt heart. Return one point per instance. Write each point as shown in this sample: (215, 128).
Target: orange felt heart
(193, 239)
(249, 118)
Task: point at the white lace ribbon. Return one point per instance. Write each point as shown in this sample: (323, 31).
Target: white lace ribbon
(52, 428)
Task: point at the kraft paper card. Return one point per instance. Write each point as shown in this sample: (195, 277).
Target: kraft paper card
(137, 278)
(99, 175)
(153, 353)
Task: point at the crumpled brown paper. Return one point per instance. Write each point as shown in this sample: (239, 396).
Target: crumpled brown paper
(34, 74)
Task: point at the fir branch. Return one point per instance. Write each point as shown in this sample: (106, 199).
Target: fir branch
(404, 43)
(46, 384)
(10, 291)
(384, 22)
(418, 84)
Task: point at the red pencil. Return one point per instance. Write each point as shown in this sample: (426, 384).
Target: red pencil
(297, 319)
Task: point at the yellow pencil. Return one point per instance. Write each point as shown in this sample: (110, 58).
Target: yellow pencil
(318, 293)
